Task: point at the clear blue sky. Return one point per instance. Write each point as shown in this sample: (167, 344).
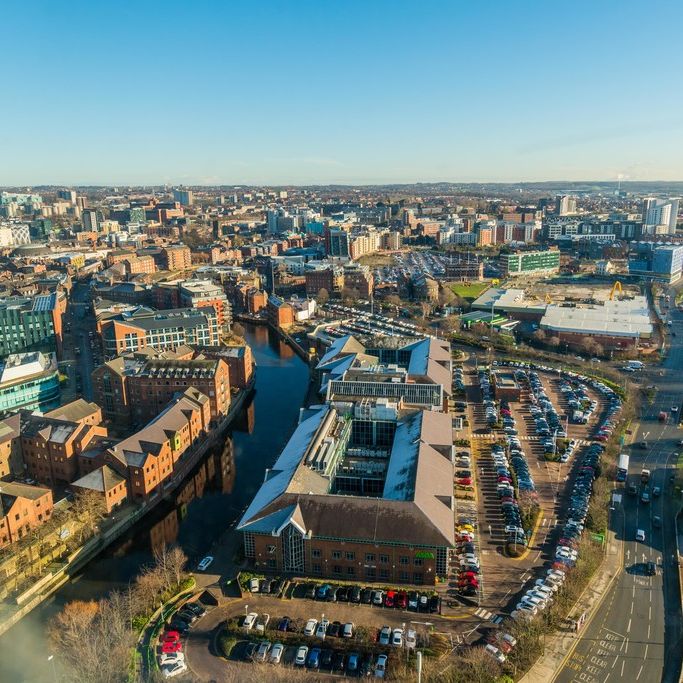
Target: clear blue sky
(340, 91)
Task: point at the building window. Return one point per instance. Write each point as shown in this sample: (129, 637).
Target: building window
(404, 576)
(316, 568)
(336, 554)
(417, 561)
(350, 556)
(370, 557)
(272, 564)
(403, 559)
(384, 573)
(316, 552)
(370, 573)
(249, 545)
(351, 571)
(417, 578)
(384, 559)
(336, 569)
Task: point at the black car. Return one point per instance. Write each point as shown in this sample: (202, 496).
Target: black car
(650, 569)
(178, 625)
(339, 661)
(310, 591)
(326, 657)
(187, 616)
(366, 596)
(355, 594)
(434, 604)
(423, 601)
(343, 594)
(468, 591)
(334, 629)
(195, 608)
(250, 651)
(332, 593)
(264, 586)
(366, 666)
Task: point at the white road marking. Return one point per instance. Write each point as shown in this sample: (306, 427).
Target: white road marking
(622, 667)
(628, 628)
(640, 671)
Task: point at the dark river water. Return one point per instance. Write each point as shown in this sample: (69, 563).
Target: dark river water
(203, 506)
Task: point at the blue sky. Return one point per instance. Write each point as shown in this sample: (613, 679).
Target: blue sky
(353, 92)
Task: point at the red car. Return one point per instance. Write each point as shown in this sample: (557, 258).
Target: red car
(467, 575)
(390, 599)
(171, 646)
(402, 600)
(468, 582)
(466, 481)
(171, 637)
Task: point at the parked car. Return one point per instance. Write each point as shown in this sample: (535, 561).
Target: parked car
(204, 563)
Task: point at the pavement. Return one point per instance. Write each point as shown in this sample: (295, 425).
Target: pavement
(633, 625)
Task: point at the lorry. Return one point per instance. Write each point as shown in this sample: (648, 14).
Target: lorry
(622, 467)
(645, 476)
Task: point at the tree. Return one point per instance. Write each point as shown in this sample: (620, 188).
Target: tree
(540, 336)
(89, 509)
(322, 297)
(170, 563)
(238, 330)
(446, 296)
(426, 309)
(393, 300)
(350, 296)
(554, 342)
(450, 324)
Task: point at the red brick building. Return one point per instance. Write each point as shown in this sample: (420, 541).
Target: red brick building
(22, 508)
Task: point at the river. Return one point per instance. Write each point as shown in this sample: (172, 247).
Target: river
(203, 507)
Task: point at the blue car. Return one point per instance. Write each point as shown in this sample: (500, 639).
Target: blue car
(313, 661)
(321, 593)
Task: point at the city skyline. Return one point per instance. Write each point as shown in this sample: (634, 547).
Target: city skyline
(350, 94)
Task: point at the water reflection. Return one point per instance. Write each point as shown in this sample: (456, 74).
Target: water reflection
(199, 511)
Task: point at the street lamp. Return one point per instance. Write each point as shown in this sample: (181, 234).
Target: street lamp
(51, 659)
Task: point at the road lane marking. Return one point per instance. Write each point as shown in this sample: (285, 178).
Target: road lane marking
(647, 645)
(622, 667)
(631, 608)
(640, 671)
(628, 628)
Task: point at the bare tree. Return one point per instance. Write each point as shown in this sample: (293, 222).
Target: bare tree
(322, 297)
(89, 509)
(169, 564)
(238, 330)
(446, 296)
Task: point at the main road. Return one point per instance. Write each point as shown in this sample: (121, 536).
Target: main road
(635, 634)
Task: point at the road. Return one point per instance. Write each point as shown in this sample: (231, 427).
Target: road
(82, 324)
(636, 632)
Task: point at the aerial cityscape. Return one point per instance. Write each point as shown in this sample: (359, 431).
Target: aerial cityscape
(303, 381)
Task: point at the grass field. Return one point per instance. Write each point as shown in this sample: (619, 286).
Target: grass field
(469, 290)
(376, 260)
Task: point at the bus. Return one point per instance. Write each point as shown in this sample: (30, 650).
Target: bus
(622, 467)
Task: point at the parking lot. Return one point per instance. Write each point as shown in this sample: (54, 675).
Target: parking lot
(298, 621)
(518, 437)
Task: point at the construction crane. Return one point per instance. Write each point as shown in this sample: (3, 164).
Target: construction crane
(616, 286)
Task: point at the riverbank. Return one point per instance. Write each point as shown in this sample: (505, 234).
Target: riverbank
(207, 503)
(126, 518)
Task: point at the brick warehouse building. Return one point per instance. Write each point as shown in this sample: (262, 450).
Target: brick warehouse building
(135, 388)
(362, 496)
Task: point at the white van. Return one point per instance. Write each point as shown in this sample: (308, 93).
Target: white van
(640, 535)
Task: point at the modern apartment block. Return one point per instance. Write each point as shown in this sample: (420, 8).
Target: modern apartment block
(29, 381)
(134, 330)
(531, 262)
(32, 324)
(357, 494)
(176, 257)
(134, 388)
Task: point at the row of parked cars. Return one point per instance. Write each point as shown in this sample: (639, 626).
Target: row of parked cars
(320, 659)
(542, 409)
(171, 656)
(514, 531)
(468, 566)
(536, 598)
(458, 380)
(399, 599)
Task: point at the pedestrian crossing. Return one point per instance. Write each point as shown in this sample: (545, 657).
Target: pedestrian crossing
(489, 616)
